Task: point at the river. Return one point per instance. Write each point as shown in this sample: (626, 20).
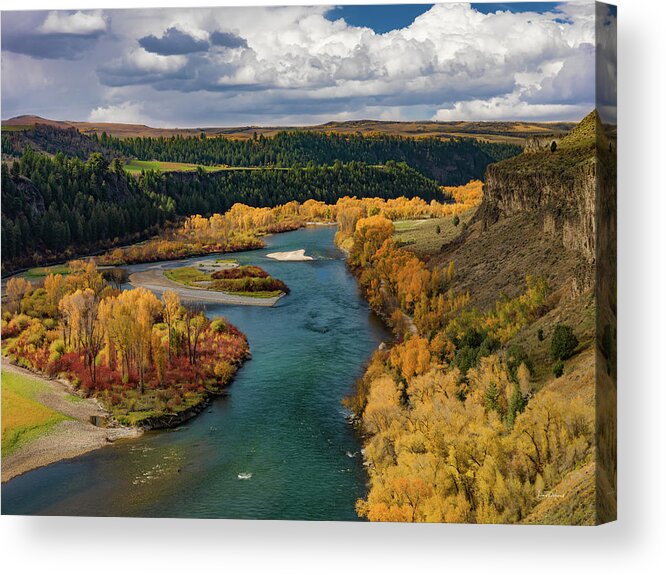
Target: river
(277, 446)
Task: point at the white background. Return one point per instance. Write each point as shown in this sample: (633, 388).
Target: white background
(633, 544)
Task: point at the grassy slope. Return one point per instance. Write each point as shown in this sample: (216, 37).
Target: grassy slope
(495, 259)
(23, 417)
(577, 147)
(421, 237)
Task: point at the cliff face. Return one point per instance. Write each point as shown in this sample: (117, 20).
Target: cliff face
(559, 186)
(566, 203)
(540, 143)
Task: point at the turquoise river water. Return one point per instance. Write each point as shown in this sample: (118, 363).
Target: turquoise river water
(277, 446)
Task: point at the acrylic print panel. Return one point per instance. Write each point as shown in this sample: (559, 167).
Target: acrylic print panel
(310, 263)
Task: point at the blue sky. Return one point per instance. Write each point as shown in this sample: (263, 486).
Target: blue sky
(301, 65)
(394, 17)
(389, 17)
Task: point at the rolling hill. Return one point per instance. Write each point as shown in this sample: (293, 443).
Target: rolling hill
(508, 132)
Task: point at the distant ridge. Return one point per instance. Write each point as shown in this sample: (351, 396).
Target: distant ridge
(30, 120)
(513, 132)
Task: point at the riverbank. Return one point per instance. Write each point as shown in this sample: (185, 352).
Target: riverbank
(155, 280)
(74, 435)
(282, 420)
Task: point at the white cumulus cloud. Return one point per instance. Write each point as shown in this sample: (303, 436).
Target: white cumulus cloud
(78, 23)
(125, 113)
(273, 64)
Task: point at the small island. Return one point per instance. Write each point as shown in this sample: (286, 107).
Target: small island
(231, 278)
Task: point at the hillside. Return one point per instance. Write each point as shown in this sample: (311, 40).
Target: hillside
(50, 139)
(508, 132)
(476, 351)
(539, 216)
(449, 161)
(558, 186)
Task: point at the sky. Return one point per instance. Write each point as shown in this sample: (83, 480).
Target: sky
(298, 65)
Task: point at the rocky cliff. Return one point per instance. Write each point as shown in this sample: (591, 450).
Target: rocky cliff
(559, 186)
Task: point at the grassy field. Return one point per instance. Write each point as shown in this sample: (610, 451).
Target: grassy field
(37, 273)
(188, 276)
(137, 166)
(23, 418)
(422, 237)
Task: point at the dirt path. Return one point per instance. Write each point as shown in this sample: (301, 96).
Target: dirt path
(156, 281)
(68, 438)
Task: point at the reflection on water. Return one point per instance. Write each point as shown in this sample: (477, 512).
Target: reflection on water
(278, 446)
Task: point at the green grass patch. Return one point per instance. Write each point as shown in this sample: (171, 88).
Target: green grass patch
(137, 166)
(187, 276)
(24, 419)
(23, 128)
(137, 408)
(407, 225)
(258, 294)
(426, 237)
(37, 273)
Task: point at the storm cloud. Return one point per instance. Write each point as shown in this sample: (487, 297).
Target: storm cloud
(61, 35)
(227, 40)
(173, 42)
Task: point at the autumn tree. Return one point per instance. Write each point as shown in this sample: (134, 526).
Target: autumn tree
(159, 357)
(147, 309)
(172, 313)
(85, 275)
(55, 289)
(17, 288)
(195, 323)
(80, 312)
(129, 319)
(116, 277)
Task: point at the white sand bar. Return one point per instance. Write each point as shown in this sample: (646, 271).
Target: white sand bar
(295, 256)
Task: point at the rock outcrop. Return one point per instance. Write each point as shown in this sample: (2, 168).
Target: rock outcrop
(560, 186)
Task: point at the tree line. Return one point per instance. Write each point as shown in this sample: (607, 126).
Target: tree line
(57, 207)
(449, 162)
(215, 192)
(241, 227)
